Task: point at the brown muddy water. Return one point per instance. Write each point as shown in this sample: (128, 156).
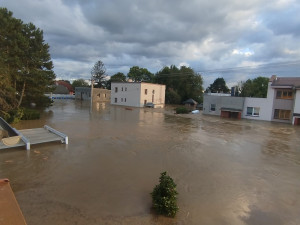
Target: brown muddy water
(227, 171)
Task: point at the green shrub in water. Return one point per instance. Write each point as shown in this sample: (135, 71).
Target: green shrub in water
(182, 110)
(164, 196)
(30, 114)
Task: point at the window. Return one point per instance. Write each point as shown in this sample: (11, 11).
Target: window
(116, 89)
(284, 94)
(125, 88)
(116, 100)
(121, 99)
(282, 114)
(145, 102)
(153, 92)
(212, 107)
(146, 91)
(122, 88)
(253, 111)
(125, 100)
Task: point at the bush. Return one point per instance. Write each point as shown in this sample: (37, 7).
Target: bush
(30, 114)
(164, 196)
(15, 115)
(182, 110)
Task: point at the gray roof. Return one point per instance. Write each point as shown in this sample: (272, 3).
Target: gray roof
(286, 81)
(190, 101)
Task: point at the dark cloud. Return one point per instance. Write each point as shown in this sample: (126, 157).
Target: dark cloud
(207, 35)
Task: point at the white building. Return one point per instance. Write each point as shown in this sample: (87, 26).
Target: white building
(282, 103)
(137, 94)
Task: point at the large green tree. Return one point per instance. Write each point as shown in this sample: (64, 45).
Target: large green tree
(181, 84)
(218, 86)
(118, 77)
(25, 62)
(79, 83)
(138, 74)
(258, 87)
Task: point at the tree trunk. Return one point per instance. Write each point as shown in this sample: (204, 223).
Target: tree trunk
(22, 94)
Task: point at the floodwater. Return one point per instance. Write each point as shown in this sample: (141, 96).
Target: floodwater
(231, 172)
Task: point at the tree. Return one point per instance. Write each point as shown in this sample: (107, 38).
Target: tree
(118, 77)
(79, 83)
(138, 74)
(219, 86)
(164, 196)
(25, 61)
(181, 84)
(258, 87)
(98, 74)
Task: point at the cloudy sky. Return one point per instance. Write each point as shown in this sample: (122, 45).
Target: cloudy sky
(233, 39)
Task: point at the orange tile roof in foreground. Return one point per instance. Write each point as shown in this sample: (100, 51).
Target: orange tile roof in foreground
(10, 212)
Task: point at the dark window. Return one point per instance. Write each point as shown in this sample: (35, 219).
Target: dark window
(282, 114)
(212, 107)
(146, 91)
(284, 94)
(116, 89)
(116, 100)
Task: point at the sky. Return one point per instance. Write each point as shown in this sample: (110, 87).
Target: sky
(233, 39)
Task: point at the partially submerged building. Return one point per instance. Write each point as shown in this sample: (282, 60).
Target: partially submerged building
(137, 94)
(282, 103)
(99, 94)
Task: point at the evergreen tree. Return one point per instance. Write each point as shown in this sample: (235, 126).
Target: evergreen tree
(98, 74)
(25, 61)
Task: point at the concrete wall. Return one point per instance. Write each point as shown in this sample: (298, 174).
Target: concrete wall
(155, 94)
(101, 95)
(83, 93)
(133, 94)
(128, 94)
(264, 105)
(221, 102)
(297, 102)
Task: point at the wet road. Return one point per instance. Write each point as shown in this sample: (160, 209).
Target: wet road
(227, 171)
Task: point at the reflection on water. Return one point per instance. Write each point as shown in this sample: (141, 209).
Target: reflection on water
(227, 171)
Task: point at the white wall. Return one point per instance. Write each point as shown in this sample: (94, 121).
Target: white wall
(297, 102)
(134, 93)
(265, 105)
(158, 96)
(131, 92)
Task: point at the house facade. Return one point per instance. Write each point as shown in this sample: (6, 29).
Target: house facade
(223, 105)
(282, 103)
(137, 94)
(99, 94)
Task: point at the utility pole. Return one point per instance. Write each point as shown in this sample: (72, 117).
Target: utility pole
(92, 87)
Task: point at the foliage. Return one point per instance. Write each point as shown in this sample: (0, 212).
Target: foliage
(98, 74)
(218, 86)
(118, 77)
(30, 114)
(257, 87)
(181, 84)
(172, 97)
(15, 115)
(79, 83)
(25, 62)
(181, 110)
(138, 74)
(164, 196)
